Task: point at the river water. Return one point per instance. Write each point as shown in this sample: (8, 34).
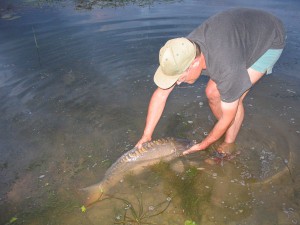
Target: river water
(75, 82)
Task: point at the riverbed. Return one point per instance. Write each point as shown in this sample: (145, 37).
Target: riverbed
(75, 81)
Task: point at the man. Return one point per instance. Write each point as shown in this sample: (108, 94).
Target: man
(236, 48)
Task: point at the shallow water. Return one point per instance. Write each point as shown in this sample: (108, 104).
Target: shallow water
(74, 87)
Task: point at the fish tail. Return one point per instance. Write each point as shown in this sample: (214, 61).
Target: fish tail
(91, 194)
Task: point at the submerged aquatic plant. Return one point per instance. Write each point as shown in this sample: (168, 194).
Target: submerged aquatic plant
(185, 186)
(12, 220)
(83, 209)
(189, 222)
(36, 45)
(138, 215)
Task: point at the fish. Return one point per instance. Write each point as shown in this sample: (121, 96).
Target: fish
(134, 161)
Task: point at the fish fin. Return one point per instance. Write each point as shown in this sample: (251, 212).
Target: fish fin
(91, 194)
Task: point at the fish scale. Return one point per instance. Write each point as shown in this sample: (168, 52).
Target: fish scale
(135, 160)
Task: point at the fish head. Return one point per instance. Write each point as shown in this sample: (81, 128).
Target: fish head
(180, 145)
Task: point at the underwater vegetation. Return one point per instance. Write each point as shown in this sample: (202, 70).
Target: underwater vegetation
(185, 187)
(182, 190)
(137, 214)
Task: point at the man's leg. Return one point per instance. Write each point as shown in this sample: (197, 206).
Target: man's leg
(214, 101)
(233, 130)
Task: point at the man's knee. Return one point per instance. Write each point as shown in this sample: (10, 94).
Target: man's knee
(254, 75)
(212, 92)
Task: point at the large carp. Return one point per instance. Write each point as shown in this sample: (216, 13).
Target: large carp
(134, 161)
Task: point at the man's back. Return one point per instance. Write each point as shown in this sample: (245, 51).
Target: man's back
(232, 41)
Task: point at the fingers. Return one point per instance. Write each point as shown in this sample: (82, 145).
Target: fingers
(139, 144)
(142, 141)
(194, 148)
(189, 151)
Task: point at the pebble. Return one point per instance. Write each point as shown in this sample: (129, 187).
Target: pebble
(118, 217)
(291, 91)
(200, 168)
(151, 208)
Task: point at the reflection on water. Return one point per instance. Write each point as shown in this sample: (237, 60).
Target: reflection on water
(71, 109)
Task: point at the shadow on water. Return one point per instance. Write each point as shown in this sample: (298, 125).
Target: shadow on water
(66, 118)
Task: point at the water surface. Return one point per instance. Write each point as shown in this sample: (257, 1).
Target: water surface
(75, 82)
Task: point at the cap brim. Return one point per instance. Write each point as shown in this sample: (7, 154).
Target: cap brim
(164, 81)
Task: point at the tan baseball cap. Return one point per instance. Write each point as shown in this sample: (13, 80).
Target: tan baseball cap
(174, 58)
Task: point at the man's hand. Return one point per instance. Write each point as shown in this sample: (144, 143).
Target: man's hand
(194, 148)
(228, 114)
(142, 141)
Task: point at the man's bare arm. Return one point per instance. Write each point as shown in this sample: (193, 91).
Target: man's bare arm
(155, 110)
(228, 114)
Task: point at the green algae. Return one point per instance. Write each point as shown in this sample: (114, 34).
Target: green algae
(187, 188)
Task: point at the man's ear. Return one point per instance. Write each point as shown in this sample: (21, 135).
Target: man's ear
(196, 62)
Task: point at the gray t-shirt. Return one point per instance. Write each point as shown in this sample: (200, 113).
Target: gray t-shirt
(232, 41)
